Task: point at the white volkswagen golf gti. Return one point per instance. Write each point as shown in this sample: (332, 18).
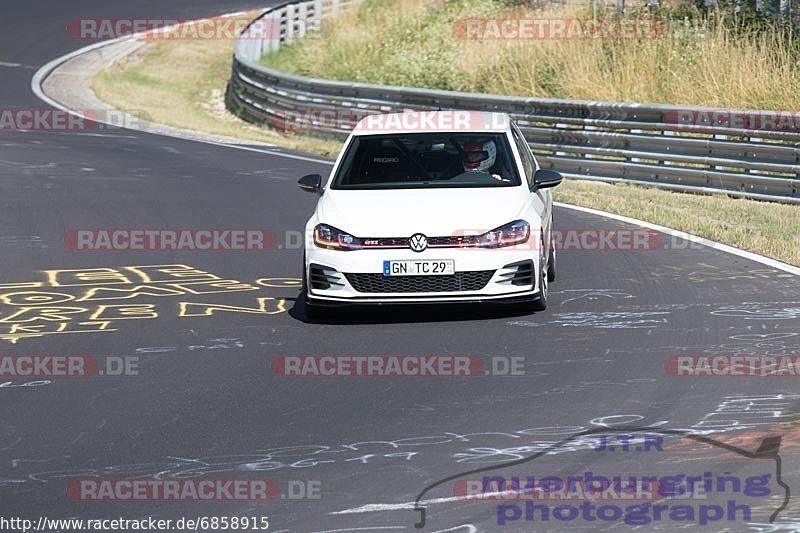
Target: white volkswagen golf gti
(440, 206)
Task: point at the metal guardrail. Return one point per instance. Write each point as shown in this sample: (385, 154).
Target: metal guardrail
(612, 142)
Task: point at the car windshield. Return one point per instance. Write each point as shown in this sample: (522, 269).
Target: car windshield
(427, 160)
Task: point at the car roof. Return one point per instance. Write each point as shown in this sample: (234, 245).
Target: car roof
(456, 121)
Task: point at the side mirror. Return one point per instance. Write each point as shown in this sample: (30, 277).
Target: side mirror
(545, 178)
(310, 183)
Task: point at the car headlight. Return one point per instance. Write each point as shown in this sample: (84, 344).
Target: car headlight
(513, 233)
(326, 236)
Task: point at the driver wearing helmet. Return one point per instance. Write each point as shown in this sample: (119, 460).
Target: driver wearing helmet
(481, 156)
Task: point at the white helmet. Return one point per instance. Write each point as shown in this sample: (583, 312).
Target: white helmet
(480, 155)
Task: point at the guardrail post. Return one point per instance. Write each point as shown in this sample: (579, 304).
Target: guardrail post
(257, 35)
(634, 159)
(272, 37)
(590, 128)
(720, 138)
(290, 20)
(559, 126)
(257, 48)
(668, 133)
(302, 20)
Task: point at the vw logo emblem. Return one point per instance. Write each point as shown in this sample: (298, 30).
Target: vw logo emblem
(418, 242)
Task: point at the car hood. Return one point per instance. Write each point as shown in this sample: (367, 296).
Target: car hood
(434, 212)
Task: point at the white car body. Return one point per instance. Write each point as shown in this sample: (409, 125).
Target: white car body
(433, 212)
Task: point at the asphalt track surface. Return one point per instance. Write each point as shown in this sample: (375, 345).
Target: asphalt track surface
(206, 404)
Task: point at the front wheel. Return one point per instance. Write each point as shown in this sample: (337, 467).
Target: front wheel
(540, 304)
(311, 312)
(551, 263)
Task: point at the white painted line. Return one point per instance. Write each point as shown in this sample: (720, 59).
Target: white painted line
(281, 154)
(768, 261)
(105, 135)
(377, 507)
(39, 77)
(360, 529)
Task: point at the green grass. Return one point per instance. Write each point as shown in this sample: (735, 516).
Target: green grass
(181, 83)
(711, 62)
(761, 227)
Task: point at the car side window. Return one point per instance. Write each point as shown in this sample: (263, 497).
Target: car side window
(527, 161)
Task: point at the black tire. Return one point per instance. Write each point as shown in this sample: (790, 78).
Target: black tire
(311, 312)
(540, 304)
(551, 263)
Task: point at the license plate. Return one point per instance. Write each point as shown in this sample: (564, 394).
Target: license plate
(432, 267)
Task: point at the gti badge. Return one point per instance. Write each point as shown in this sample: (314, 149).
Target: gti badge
(418, 242)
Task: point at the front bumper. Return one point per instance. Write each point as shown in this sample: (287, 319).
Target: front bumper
(497, 275)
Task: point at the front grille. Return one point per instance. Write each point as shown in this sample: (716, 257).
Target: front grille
(460, 281)
(454, 241)
(391, 242)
